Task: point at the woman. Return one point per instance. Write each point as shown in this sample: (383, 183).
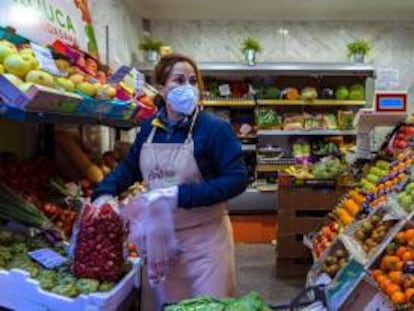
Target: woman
(197, 156)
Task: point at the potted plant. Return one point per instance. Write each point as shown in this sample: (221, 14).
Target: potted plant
(151, 46)
(250, 47)
(358, 49)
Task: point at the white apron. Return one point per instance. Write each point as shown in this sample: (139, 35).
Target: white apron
(206, 263)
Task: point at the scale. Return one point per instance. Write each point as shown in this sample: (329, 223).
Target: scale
(390, 109)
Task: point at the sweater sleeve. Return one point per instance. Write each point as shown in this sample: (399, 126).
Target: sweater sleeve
(125, 174)
(231, 176)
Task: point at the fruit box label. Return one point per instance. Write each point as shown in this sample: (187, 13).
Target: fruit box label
(12, 95)
(345, 284)
(48, 258)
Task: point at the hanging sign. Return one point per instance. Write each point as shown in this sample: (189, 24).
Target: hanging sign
(45, 21)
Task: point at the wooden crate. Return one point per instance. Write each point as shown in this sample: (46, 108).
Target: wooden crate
(290, 246)
(300, 211)
(292, 268)
(308, 198)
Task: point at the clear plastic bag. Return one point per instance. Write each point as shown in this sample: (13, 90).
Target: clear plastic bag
(100, 238)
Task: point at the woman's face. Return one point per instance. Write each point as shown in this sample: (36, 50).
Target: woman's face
(182, 73)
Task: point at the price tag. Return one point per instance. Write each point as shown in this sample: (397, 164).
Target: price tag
(119, 75)
(45, 59)
(48, 258)
(224, 90)
(387, 79)
(140, 82)
(345, 284)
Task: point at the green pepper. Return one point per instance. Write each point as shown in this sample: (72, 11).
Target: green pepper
(68, 290)
(87, 286)
(106, 286)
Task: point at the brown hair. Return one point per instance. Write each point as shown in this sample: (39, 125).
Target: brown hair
(165, 65)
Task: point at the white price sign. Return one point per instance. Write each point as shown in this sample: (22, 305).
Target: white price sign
(45, 59)
(224, 90)
(387, 79)
(48, 258)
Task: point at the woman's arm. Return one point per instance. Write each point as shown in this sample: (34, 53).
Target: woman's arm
(231, 172)
(125, 174)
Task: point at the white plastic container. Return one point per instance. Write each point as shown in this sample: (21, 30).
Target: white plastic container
(21, 293)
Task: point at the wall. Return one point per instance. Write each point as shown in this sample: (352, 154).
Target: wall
(306, 41)
(393, 43)
(125, 28)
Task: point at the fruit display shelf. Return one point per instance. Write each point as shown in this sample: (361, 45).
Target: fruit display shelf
(11, 113)
(229, 103)
(369, 223)
(306, 132)
(311, 103)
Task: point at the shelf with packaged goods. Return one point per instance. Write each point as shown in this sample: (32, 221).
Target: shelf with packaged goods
(306, 132)
(285, 68)
(311, 103)
(269, 168)
(229, 103)
(15, 114)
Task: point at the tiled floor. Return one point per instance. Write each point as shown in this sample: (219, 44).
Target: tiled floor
(256, 271)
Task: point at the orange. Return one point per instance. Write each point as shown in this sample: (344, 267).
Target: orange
(401, 250)
(385, 283)
(389, 262)
(407, 256)
(409, 235)
(399, 266)
(409, 292)
(377, 272)
(400, 237)
(392, 288)
(380, 278)
(398, 298)
(408, 281)
(396, 277)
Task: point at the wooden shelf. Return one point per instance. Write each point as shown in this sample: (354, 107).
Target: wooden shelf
(229, 103)
(306, 133)
(268, 168)
(311, 103)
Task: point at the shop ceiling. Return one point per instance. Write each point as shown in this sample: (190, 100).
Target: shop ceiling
(360, 10)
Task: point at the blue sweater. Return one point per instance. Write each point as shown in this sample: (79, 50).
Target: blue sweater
(216, 149)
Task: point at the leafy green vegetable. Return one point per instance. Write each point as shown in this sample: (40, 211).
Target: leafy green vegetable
(87, 286)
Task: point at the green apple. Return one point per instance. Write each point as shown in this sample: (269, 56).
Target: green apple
(65, 84)
(24, 87)
(40, 77)
(31, 59)
(107, 92)
(63, 65)
(16, 65)
(77, 78)
(27, 51)
(13, 79)
(86, 88)
(6, 48)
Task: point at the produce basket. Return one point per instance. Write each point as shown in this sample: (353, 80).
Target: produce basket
(21, 293)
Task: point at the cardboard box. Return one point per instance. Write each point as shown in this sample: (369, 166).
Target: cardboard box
(38, 98)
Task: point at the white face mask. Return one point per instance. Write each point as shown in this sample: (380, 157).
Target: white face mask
(183, 99)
